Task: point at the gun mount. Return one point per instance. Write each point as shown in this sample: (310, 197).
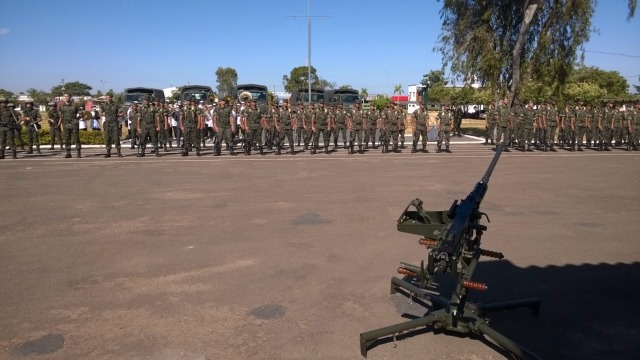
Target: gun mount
(453, 239)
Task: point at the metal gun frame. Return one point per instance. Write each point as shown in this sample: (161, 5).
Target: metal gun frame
(456, 314)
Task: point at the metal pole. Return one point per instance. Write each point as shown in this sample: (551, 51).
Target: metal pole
(309, 49)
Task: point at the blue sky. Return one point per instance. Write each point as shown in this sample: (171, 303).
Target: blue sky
(367, 44)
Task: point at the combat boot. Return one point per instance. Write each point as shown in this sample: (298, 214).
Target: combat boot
(38, 149)
(438, 149)
(344, 146)
(119, 153)
(1, 154)
(360, 150)
(184, 151)
(108, 154)
(402, 145)
(30, 151)
(292, 150)
(141, 151)
(198, 152)
(68, 154)
(165, 148)
(413, 148)
(78, 155)
(313, 150)
(261, 150)
(424, 148)
(278, 150)
(52, 147)
(157, 152)
(14, 153)
(326, 149)
(486, 141)
(447, 149)
(231, 151)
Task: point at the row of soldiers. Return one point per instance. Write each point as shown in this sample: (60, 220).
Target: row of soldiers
(573, 126)
(150, 123)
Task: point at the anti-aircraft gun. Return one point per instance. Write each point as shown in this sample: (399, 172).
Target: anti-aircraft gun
(453, 238)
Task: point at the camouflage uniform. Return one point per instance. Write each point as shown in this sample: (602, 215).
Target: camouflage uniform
(254, 137)
(163, 134)
(340, 127)
(504, 124)
(371, 116)
(147, 125)
(356, 121)
(110, 110)
(390, 118)
(421, 120)
(634, 128)
(308, 115)
(54, 126)
(32, 122)
(580, 125)
(270, 126)
(608, 117)
(284, 128)
(299, 132)
(528, 116)
(320, 122)
(490, 125)
(401, 127)
(190, 122)
(552, 125)
(68, 113)
(7, 122)
(445, 120)
(222, 121)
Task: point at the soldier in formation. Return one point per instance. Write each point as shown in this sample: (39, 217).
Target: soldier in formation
(445, 120)
(111, 112)
(55, 124)
(8, 121)
(421, 121)
(31, 119)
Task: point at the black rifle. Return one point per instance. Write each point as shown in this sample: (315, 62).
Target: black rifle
(454, 239)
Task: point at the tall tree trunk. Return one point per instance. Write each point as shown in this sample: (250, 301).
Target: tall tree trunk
(530, 8)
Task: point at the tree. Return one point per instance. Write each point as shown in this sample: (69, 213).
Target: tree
(636, 87)
(38, 96)
(380, 102)
(74, 88)
(345, 87)
(497, 40)
(227, 79)
(397, 89)
(271, 97)
(364, 93)
(434, 78)
(175, 95)
(590, 93)
(6, 94)
(326, 84)
(611, 81)
(299, 78)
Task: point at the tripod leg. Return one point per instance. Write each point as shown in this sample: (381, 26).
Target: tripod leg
(369, 337)
(505, 342)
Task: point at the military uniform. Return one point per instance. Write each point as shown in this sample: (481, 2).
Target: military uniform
(356, 127)
(222, 120)
(190, 122)
(634, 128)
(32, 122)
(340, 127)
(608, 117)
(528, 117)
(421, 120)
(517, 135)
(320, 124)
(284, 128)
(270, 126)
(110, 110)
(580, 125)
(255, 124)
(7, 122)
(504, 124)
(299, 131)
(308, 115)
(401, 127)
(490, 125)
(371, 116)
(445, 120)
(163, 134)
(54, 126)
(71, 127)
(390, 118)
(552, 126)
(147, 125)
(457, 121)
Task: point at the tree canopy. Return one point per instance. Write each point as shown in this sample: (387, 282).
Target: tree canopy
(299, 78)
(502, 41)
(74, 88)
(227, 79)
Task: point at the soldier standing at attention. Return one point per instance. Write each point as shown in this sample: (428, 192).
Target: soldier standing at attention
(490, 124)
(505, 122)
(255, 125)
(551, 122)
(270, 126)
(618, 120)
(421, 120)
(308, 115)
(445, 120)
(331, 120)
(401, 127)
(68, 112)
(189, 125)
(299, 128)
(528, 116)
(224, 126)
(111, 111)
(371, 117)
(340, 126)
(147, 127)
(457, 117)
(387, 122)
(633, 126)
(55, 124)
(31, 119)
(355, 120)
(320, 125)
(284, 127)
(580, 123)
(7, 122)
(163, 125)
(607, 125)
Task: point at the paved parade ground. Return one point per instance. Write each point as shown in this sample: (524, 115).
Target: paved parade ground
(290, 257)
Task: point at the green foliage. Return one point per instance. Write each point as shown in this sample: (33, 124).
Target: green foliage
(345, 87)
(591, 93)
(397, 89)
(88, 137)
(38, 96)
(227, 79)
(6, 94)
(74, 88)
(175, 95)
(364, 92)
(439, 93)
(380, 102)
(299, 78)
(434, 78)
(535, 91)
(612, 81)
